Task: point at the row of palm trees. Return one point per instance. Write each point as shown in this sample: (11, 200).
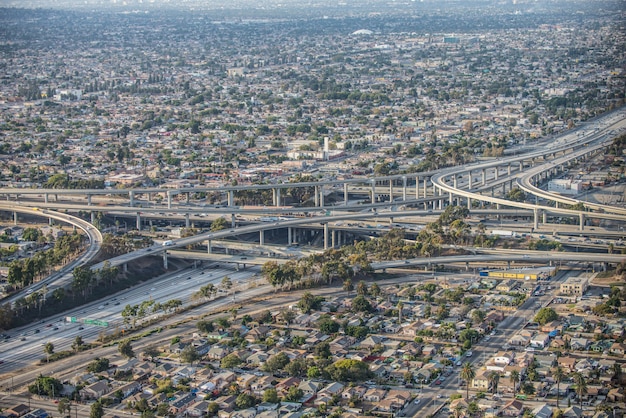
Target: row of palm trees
(468, 373)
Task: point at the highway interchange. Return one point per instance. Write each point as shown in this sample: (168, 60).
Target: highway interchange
(24, 346)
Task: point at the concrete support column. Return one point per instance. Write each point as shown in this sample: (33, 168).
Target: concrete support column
(454, 181)
(373, 190)
(208, 247)
(14, 218)
(581, 218)
(289, 235)
(508, 169)
(138, 222)
(45, 197)
(345, 194)
(390, 190)
(496, 172)
(88, 200)
(165, 260)
(93, 217)
(535, 218)
(278, 198)
(169, 199)
(317, 196)
(483, 177)
(469, 203)
(469, 181)
(544, 217)
(231, 198)
(186, 220)
(425, 188)
(261, 237)
(403, 188)
(417, 187)
(450, 198)
(325, 236)
(125, 267)
(521, 166)
(333, 238)
(321, 196)
(131, 196)
(187, 198)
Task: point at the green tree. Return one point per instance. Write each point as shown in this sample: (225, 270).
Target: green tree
(245, 401)
(189, 355)
(349, 370)
(97, 411)
(151, 351)
(48, 348)
(125, 348)
(546, 315)
(294, 394)
(514, 378)
(270, 395)
(78, 343)
(309, 302)
(276, 362)
(361, 304)
(98, 365)
(581, 386)
(230, 361)
(494, 378)
(557, 375)
(467, 374)
(64, 407)
(219, 224)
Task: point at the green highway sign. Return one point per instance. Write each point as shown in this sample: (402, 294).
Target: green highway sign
(96, 322)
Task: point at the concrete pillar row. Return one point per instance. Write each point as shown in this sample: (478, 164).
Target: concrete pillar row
(581, 217)
(317, 196)
(403, 188)
(326, 236)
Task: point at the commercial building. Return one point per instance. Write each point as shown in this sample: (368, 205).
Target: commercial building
(574, 286)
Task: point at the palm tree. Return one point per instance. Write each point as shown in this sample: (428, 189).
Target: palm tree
(557, 374)
(581, 386)
(467, 374)
(514, 379)
(494, 378)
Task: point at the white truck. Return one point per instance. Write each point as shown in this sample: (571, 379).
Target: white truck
(168, 243)
(504, 233)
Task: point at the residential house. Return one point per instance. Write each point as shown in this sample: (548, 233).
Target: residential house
(374, 395)
(513, 408)
(16, 410)
(579, 343)
(181, 402)
(262, 384)
(309, 387)
(540, 340)
(197, 409)
(481, 380)
(618, 349)
(542, 411)
(95, 390)
(573, 412)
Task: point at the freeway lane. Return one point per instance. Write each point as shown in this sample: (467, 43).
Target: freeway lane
(25, 345)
